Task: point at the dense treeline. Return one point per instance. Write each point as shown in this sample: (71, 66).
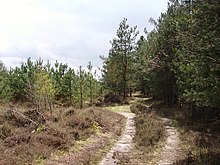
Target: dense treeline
(43, 84)
(179, 61)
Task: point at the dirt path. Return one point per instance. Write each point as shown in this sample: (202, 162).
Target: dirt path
(171, 150)
(124, 144)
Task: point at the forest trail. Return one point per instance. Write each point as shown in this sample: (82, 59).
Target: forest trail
(168, 154)
(124, 144)
(171, 149)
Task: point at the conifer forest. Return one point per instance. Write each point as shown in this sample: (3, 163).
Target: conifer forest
(155, 100)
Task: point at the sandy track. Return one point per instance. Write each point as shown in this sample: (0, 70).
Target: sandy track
(170, 151)
(124, 144)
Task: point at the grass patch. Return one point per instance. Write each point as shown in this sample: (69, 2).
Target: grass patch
(122, 108)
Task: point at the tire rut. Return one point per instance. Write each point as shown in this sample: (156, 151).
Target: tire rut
(170, 151)
(124, 144)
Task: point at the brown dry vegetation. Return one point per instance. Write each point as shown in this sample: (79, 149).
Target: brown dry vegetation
(150, 131)
(200, 136)
(24, 142)
(150, 128)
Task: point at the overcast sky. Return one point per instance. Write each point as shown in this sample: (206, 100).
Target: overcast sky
(70, 31)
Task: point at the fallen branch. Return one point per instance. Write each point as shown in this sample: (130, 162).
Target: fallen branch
(12, 111)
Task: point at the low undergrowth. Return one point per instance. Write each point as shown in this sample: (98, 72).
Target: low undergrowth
(30, 137)
(201, 144)
(200, 148)
(149, 128)
(200, 137)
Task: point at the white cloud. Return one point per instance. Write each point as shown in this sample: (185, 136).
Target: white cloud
(71, 31)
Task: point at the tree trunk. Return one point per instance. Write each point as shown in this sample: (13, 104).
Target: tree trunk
(125, 64)
(81, 90)
(130, 92)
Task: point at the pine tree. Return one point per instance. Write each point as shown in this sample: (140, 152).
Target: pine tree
(118, 65)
